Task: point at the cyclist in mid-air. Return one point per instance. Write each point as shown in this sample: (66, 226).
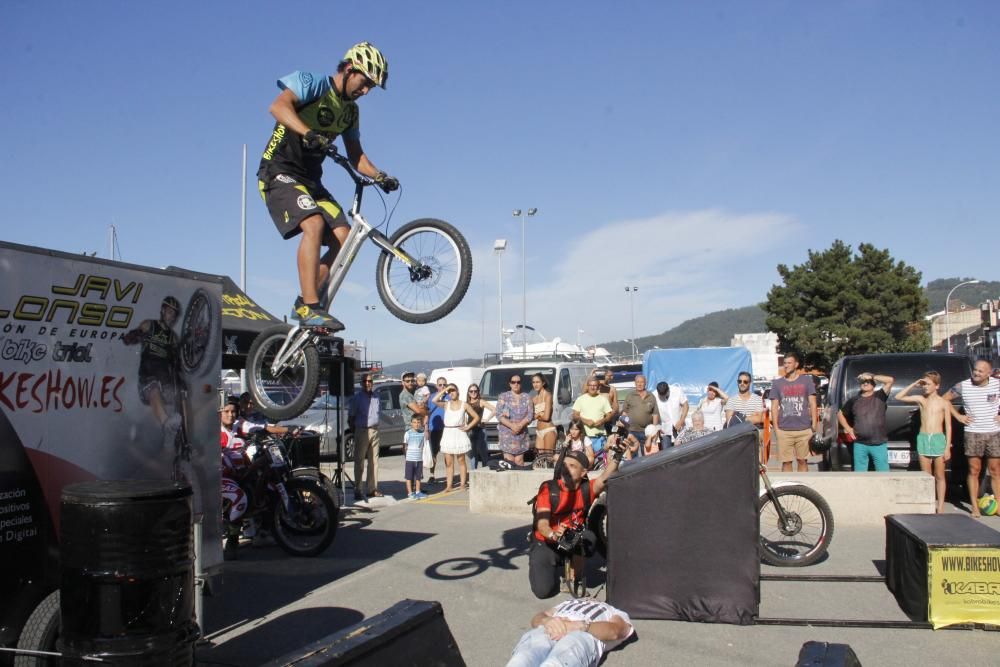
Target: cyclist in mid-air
(311, 111)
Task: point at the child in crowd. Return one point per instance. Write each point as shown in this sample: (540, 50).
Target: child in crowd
(934, 439)
(576, 441)
(414, 466)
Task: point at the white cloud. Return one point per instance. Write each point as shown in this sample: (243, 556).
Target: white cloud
(685, 264)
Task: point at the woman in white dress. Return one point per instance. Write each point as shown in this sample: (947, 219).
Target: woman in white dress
(712, 407)
(459, 418)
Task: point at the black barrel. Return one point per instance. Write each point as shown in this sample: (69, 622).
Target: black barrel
(127, 566)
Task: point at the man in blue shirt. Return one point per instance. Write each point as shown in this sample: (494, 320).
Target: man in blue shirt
(364, 418)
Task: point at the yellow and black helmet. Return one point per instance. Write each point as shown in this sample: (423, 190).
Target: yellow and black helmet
(370, 61)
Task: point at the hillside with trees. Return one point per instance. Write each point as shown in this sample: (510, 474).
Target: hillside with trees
(717, 328)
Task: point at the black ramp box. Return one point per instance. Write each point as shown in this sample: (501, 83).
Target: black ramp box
(683, 533)
(943, 568)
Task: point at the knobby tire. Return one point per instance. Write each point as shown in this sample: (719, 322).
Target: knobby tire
(807, 545)
(432, 300)
(299, 382)
(305, 488)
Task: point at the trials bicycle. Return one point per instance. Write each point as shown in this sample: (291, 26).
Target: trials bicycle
(422, 274)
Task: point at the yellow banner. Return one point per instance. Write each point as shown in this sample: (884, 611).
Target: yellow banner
(964, 586)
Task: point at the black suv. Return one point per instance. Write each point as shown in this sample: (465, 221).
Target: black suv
(902, 419)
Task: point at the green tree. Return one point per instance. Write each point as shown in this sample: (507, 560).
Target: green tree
(840, 303)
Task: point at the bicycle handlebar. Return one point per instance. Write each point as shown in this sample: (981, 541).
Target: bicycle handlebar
(360, 180)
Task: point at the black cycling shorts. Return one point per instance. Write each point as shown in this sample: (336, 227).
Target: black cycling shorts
(290, 202)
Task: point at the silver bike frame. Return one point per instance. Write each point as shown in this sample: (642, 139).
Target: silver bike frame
(299, 336)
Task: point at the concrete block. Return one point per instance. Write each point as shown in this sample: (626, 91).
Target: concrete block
(507, 492)
(862, 498)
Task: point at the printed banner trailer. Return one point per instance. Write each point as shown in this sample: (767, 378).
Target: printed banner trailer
(963, 585)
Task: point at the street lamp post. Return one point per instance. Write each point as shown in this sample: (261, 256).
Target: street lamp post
(947, 302)
(498, 247)
(368, 356)
(631, 309)
(518, 213)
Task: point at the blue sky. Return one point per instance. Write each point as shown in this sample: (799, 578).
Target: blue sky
(684, 148)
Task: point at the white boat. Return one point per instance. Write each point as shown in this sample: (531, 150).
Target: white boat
(532, 344)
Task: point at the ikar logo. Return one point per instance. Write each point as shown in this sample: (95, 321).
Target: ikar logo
(970, 587)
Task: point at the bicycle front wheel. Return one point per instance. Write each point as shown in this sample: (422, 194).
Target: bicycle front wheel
(286, 394)
(805, 534)
(427, 292)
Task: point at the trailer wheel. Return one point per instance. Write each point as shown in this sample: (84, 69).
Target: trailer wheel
(40, 633)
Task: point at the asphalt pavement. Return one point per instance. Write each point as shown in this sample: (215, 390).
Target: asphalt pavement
(270, 604)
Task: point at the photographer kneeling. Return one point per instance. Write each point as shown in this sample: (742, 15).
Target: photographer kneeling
(560, 531)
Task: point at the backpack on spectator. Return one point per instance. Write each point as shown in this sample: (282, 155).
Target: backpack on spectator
(553, 486)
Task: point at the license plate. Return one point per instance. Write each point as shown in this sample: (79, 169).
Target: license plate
(899, 457)
(493, 446)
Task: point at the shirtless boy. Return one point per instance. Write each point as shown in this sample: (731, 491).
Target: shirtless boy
(934, 439)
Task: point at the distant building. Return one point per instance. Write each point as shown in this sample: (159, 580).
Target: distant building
(961, 316)
(975, 336)
(763, 352)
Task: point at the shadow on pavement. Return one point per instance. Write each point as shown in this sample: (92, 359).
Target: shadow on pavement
(515, 544)
(265, 578)
(281, 635)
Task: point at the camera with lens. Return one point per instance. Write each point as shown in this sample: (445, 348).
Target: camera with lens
(570, 539)
(621, 427)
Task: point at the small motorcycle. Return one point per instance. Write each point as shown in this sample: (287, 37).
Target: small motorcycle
(295, 508)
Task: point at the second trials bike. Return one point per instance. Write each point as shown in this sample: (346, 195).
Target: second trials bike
(422, 274)
(795, 522)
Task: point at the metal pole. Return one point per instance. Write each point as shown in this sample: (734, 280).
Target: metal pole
(199, 577)
(947, 319)
(243, 226)
(500, 296)
(524, 295)
(523, 214)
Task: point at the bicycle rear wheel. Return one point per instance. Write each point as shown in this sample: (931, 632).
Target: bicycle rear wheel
(806, 535)
(428, 292)
(287, 394)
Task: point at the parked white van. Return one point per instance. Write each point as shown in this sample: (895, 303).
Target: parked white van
(564, 378)
(460, 376)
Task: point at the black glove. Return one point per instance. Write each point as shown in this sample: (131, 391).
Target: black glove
(315, 141)
(386, 182)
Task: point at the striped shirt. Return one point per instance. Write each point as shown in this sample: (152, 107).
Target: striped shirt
(752, 404)
(589, 610)
(981, 403)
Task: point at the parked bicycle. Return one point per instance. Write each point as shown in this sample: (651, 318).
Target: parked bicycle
(422, 274)
(796, 523)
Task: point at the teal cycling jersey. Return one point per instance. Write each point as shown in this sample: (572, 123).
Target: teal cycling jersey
(323, 111)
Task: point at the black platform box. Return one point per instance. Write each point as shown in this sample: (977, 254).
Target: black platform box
(683, 532)
(943, 568)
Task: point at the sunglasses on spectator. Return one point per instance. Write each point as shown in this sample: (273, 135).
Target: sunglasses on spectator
(743, 382)
(515, 382)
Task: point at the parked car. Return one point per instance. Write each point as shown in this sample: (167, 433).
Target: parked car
(322, 418)
(902, 419)
(460, 376)
(565, 381)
